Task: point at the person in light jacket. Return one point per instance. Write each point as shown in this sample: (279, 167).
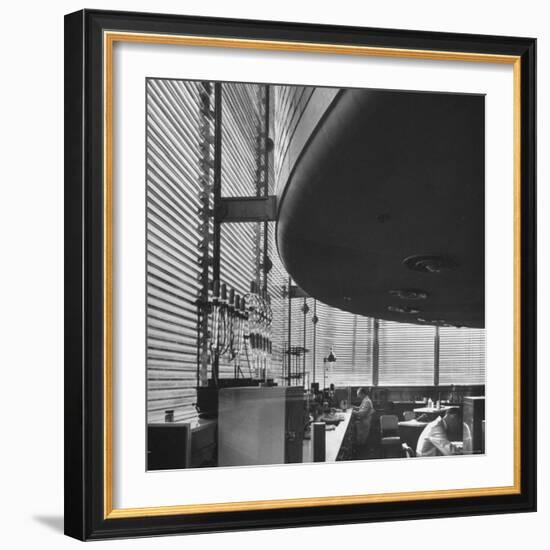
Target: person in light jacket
(435, 439)
(363, 417)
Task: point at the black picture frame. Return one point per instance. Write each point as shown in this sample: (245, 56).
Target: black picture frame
(85, 498)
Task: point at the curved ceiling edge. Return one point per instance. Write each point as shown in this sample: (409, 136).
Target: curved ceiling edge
(383, 213)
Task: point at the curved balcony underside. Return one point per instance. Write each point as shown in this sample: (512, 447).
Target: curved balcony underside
(386, 176)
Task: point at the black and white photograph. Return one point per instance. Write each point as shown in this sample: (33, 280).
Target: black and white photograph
(315, 274)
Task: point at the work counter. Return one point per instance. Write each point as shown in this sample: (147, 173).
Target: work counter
(335, 440)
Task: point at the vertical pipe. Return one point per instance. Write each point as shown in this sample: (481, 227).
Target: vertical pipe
(266, 181)
(305, 341)
(289, 336)
(217, 191)
(436, 356)
(375, 353)
(204, 219)
(265, 190)
(354, 343)
(314, 337)
(199, 344)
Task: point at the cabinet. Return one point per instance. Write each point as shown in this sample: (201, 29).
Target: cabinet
(172, 446)
(473, 412)
(263, 425)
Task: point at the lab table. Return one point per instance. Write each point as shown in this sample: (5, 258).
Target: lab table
(334, 440)
(432, 410)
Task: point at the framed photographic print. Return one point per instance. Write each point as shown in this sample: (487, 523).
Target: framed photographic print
(300, 274)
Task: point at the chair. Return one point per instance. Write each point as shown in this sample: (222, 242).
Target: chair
(389, 436)
(409, 415)
(389, 425)
(392, 447)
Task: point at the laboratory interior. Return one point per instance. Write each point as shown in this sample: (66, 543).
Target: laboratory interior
(314, 274)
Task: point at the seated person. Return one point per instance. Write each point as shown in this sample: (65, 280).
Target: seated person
(332, 400)
(434, 439)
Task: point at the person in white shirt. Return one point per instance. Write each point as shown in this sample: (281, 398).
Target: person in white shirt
(363, 417)
(434, 439)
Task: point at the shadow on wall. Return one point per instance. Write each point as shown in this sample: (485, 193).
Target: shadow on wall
(55, 523)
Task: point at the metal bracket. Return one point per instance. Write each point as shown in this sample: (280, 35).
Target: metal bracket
(246, 209)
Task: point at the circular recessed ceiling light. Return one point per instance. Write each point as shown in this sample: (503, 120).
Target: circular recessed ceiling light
(436, 322)
(429, 264)
(409, 293)
(441, 323)
(403, 309)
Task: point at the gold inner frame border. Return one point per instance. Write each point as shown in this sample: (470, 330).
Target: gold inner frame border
(109, 39)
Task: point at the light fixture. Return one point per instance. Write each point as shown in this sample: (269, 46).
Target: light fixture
(403, 309)
(429, 264)
(436, 322)
(267, 265)
(439, 323)
(331, 358)
(409, 293)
